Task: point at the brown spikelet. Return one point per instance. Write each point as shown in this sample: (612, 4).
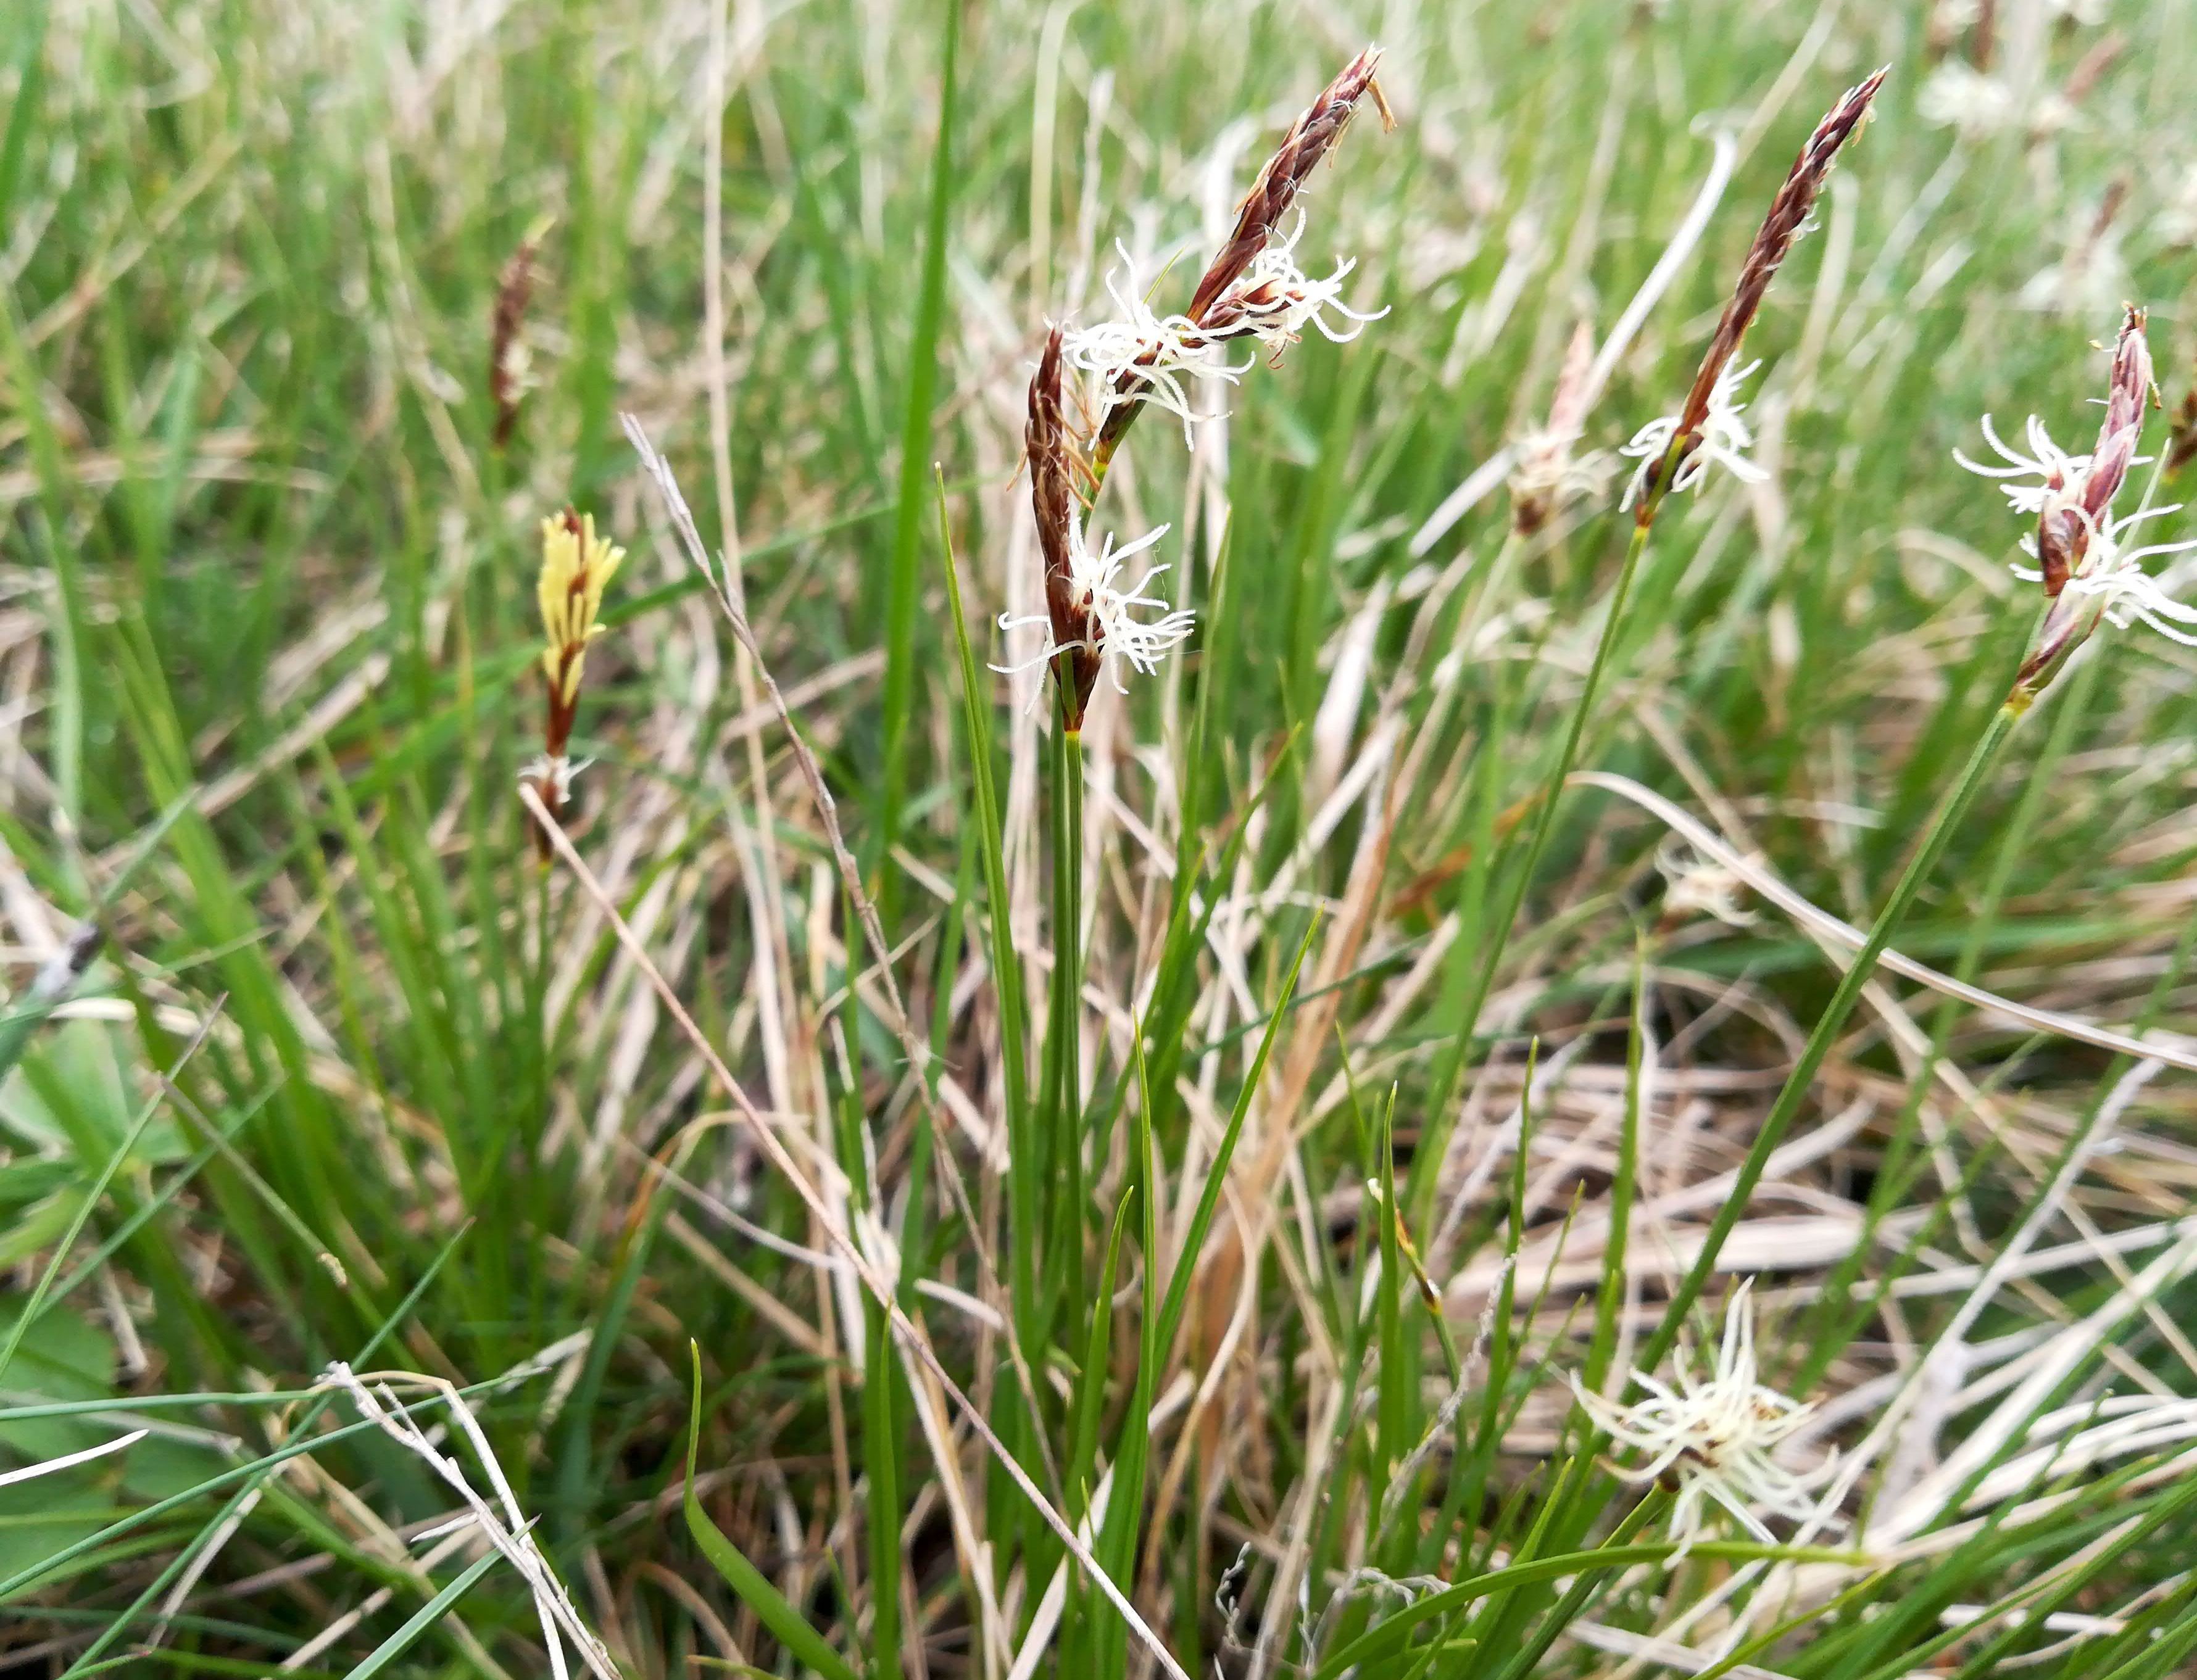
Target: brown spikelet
(1286, 171)
(2182, 437)
(505, 354)
(2076, 512)
(1309, 139)
(1545, 456)
(2093, 66)
(2126, 393)
(1050, 449)
(2072, 516)
(1789, 213)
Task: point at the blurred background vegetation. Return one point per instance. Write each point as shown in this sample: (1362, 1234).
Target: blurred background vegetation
(269, 662)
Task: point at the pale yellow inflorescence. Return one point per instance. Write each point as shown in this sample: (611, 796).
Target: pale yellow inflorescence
(576, 565)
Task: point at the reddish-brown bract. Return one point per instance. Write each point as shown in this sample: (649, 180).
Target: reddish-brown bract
(1050, 447)
(2076, 515)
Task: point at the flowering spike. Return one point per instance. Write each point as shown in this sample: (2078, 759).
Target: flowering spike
(1091, 615)
(1231, 300)
(576, 567)
(1547, 473)
(508, 360)
(1286, 171)
(2089, 570)
(1046, 442)
(1708, 402)
(1788, 219)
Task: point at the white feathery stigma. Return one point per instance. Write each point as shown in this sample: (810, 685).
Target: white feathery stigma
(2110, 572)
(1697, 885)
(1724, 440)
(1110, 608)
(553, 775)
(1275, 300)
(1715, 1434)
(2055, 471)
(1162, 351)
(2114, 576)
(1957, 95)
(1545, 468)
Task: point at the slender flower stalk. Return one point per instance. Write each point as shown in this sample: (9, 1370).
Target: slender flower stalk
(1098, 614)
(1802, 1078)
(2083, 572)
(576, 566)
(1787, 219)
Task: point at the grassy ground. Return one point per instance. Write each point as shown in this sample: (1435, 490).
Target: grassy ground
(1264, 1112)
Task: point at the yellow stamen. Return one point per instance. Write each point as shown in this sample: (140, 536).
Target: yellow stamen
(576, 565)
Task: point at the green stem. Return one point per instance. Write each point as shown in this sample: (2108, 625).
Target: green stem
(1800, 1082)
(1896, 1167)
(1426, 1165)
(1068, 954)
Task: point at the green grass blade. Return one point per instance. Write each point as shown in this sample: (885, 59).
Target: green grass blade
(897, 702)
(787, 1625)
(440, 1605)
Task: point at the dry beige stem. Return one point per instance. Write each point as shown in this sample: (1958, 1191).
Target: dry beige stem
(905, 1331)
